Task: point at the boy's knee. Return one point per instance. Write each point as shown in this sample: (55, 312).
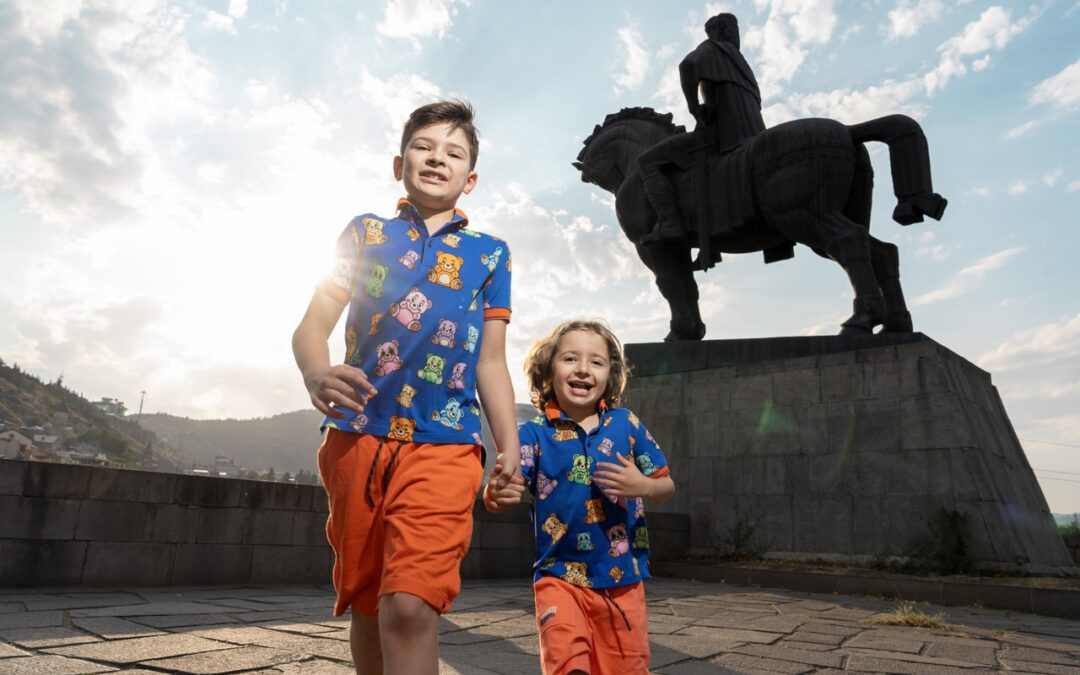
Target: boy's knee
(406, 612)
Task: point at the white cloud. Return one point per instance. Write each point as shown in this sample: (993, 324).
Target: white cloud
(779, 46)
(1062, 91)
(222, 22)
(979, 192)
(635, 57)
(965, 279)
(1018, 188)
(850, 106)
(909, 16)
(1018, 131)
(1073, 186)
(238, 8)
(415, 19)
(1048, 343)
(992, 30)
(77, 136)
(1052, 177)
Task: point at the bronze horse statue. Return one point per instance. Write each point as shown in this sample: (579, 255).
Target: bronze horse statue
(807, 181)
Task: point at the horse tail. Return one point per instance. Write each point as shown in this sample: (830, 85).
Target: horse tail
(889, 129)
(909, 160)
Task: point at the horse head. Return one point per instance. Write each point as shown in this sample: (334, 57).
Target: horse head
(609, 152)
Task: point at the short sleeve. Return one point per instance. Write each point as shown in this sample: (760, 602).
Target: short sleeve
(338, 282)
(648, 456)
(497, 287)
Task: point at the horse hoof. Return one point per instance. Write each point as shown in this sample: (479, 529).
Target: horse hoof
(912, 208)
(898, 322)
(685, 331)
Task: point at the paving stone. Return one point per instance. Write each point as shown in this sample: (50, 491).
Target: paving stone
(831, 629)
(876, 664)
(141, 649)
(44, 602)
(259, 617)
(1038, 655)
(693, 645)
(869, 640)
(31, 619)
(308, 667)
(113, 628)
(1035, 667)
(730, 634)
(832, 659)
(226, 661)
(55, 636)
(183, 620)
(789, 643)
(984, 654)
(302, 628)
(818, 638)
(148, 609)
(757, 664)
(6, 607)
(8, 651)
(50, 665)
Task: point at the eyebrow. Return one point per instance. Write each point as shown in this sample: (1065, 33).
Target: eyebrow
(428, 139)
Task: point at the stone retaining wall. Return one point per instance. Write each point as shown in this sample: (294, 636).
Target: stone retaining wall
(76, 525)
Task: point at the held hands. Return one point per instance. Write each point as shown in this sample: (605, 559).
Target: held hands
(623, 479)
(505, 488)
(341, 386)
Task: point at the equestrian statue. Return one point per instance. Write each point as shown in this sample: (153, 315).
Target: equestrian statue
(733, 185)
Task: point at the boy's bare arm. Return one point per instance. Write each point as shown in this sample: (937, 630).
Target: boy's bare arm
(497, 395)
(326, 384)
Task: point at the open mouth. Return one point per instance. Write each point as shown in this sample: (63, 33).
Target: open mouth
(580, 387)
(433, 177)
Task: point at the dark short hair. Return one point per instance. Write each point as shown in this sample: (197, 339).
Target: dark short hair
(457, 113)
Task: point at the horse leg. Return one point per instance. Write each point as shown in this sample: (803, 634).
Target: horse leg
(848, 243)
(885, 259)
(670, 263)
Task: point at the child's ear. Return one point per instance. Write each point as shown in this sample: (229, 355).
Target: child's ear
(470, 183)
(399, 167)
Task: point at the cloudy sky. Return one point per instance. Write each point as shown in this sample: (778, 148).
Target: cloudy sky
(173, 176)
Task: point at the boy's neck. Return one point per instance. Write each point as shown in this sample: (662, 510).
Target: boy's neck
(434, 219)
(586, 418)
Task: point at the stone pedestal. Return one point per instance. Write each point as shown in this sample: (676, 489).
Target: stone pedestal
(840, 447)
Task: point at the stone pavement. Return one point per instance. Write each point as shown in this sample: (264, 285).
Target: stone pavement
(695, 628)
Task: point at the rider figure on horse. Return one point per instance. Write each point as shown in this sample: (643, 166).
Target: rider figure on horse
(722, 95)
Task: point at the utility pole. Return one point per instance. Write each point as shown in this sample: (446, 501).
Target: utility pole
(142, 395)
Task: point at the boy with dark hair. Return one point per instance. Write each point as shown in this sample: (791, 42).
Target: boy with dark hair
(429, 301)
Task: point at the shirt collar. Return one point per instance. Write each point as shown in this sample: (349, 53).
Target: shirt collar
(553, 412)
(407, 208)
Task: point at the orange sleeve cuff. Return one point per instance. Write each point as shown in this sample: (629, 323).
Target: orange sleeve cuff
(497, 313)
(336, 292)
(661, 472)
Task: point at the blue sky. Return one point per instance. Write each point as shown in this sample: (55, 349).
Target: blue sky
(173, 176)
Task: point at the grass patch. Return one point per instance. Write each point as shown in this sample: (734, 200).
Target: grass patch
(907, 615)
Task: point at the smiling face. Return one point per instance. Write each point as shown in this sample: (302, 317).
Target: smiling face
(579, 372)
(435, 168)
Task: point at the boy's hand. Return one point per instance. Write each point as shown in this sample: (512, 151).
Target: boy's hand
(503, 490)
(623, 479)
(339, 386)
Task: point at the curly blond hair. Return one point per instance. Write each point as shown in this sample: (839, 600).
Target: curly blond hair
(538, 362)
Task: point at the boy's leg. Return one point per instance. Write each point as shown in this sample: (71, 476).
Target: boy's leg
(409, 630)
(566, 643)
(364, 644)
(430, 493)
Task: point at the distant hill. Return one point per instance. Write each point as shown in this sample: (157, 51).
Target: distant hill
(26, 401)
(286, 442)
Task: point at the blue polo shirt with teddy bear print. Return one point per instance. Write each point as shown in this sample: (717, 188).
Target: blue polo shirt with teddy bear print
(417, 306)
(583, 536)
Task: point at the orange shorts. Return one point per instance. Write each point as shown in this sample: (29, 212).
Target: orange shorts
(400, 517)
(598, 632)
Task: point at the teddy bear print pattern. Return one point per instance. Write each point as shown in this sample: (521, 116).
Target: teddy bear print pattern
(585, 536)
(412, 288)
